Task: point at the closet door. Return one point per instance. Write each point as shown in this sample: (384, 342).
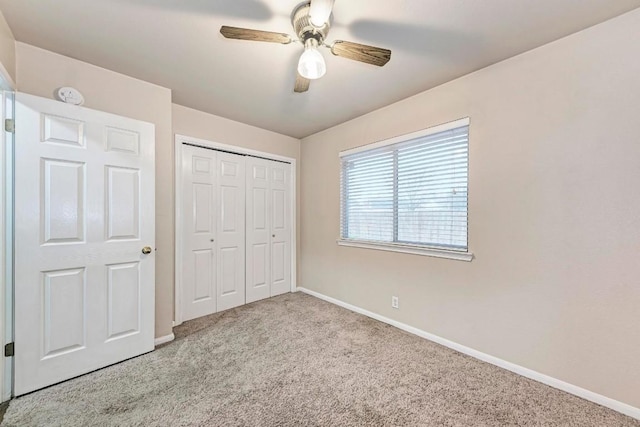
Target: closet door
(199, 232)
(230, 234)
(258, 230)
(280, 193)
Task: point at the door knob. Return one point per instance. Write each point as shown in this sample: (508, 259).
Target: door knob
(146, 250)
(273, 235)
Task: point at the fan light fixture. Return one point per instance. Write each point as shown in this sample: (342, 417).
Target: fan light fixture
(311, 21)
(320, 12)
(311, 65)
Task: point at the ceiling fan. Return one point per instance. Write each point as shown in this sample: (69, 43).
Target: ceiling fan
(311, 23)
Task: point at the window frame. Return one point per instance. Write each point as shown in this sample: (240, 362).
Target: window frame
(416, 249)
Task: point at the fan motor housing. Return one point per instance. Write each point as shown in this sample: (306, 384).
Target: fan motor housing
(303, 27)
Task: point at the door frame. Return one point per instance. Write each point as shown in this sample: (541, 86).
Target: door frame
(6, 237)
(179, 140)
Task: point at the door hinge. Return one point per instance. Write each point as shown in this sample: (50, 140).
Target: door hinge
(9, 349)
(10, 125)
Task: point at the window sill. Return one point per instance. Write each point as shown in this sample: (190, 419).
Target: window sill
(408, 249)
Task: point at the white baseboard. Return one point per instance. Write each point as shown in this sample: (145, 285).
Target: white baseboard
(521, 370)
(164, 339)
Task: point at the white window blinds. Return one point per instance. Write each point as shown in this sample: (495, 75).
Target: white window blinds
(411, 191)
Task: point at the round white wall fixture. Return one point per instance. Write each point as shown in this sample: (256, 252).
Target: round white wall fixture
(70, 96)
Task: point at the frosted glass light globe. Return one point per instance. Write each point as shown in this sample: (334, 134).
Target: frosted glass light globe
(311, 65)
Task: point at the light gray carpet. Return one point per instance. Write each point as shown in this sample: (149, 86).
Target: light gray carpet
(295, 360)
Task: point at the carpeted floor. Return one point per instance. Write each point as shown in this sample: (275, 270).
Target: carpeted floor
(296, 360)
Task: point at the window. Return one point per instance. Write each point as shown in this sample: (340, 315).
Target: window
(409, 191)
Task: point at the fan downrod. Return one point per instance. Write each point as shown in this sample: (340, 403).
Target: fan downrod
(303, 27)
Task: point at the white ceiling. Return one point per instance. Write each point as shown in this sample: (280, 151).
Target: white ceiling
(177, 44)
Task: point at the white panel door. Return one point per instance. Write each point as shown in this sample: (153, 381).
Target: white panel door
(280, 206)
(268, 228)
(258, 263)
(230, 236)
(84, 210)
(199, 232)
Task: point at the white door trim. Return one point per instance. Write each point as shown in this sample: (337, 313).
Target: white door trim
(179, 140)
(6, 238)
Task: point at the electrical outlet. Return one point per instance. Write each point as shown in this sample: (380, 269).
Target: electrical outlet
(394, 302)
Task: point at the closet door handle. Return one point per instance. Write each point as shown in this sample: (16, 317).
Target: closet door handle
(273, 235)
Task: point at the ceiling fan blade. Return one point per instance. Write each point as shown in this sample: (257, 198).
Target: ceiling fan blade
(302, 84)
(361, 52)
(254, 35)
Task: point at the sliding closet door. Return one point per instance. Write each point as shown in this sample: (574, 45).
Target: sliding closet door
(231, 230)
(199, 232)
(280, 194)
(258, 230)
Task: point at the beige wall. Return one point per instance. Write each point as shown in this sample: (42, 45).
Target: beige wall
(197, 124)
(194, 123)
(554, 213)
(40, 72)
(7, 51)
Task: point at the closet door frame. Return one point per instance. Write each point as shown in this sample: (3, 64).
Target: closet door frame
(181, 139)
